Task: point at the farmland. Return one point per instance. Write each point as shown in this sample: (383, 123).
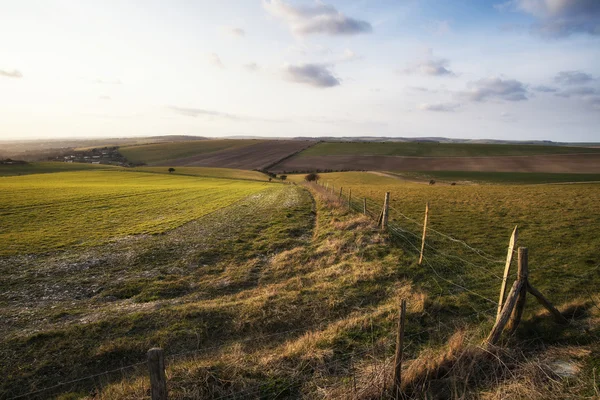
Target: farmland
(162, 152)
(427, 149)
(266, 290)
(495, 177)
(241, 154)
(47, 167)
(52, 211)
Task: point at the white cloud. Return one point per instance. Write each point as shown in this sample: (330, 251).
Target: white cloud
(430, 66)
(234, 31)
(559, 18)
(317, 75)
(251, 67)
(11, 74)
(317, 19)
(214, 59)
(495, 88)
(439, 107)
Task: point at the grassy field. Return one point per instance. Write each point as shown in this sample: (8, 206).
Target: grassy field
(48, 167)
(416, 149)
(161, 152)
(207, 172)
(280, 294)
(558, 223)
(50, 211)
(497, 177)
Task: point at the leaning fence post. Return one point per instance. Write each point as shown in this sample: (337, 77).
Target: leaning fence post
(509, 257)
(399, 348)
(158, 379)
(385, 211)
(507, 309)
(365, 206)
(522, 276)
(424, 232)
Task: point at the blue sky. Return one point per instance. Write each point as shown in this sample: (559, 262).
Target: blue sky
(516, 69)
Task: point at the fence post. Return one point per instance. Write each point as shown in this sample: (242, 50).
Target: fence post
(341, 191)
(511, 299)
(399, 348)
(350, 198)
(544, 301)
(158, 379)
(385, 211)
(424, 232)
(522, 275)
(365, 206)
(509, 257)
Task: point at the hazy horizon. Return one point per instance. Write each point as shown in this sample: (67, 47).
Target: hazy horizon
(497, 69)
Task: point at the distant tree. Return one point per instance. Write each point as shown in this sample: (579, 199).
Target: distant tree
(453, 184)
(432, 182)
(283, 177)
(312, 177)
(171, 170)
(270, 179)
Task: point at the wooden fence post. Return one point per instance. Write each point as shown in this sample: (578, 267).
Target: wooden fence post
(341, 191)
(399, 348)
(350, 198)
(522, 276)
(511, 299)
(544, 301)
(424, 232)
(385, 211)
(365, 206)
(509, 257)
(158, 379)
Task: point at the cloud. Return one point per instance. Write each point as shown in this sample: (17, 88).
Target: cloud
(200, 112)
(587, 95)
(559, 18)
(251, 67)
(573, 78)
(580, 92)
(495, 88)
(317, 75)
(214, 59)
(108, 81)
(544, 89)
(11, 74)
(439, 107)
(211, 114)
(234, 31)
(430, 66)
(319, 18)
(348, 56)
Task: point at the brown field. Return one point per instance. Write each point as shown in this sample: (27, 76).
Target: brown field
(568, 163)
(257, 156)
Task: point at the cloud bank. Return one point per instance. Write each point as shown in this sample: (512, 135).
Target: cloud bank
(439, 107)
(317, 19)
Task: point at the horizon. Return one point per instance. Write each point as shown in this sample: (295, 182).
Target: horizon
(516, 70)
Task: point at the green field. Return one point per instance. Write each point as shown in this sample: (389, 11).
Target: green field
(48, 167)
(152, 153)
(497, 177)
(208, 172)
(424, 149)
(259, 290)
(50, 211)
(558, 223)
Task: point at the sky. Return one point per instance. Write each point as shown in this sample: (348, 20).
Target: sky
(494, 69)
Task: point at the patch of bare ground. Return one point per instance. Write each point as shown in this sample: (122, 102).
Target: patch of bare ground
(567, 163)
(257, 156)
